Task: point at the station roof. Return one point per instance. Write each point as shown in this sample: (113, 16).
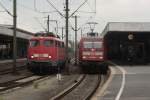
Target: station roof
(8, 30)
(127, 27)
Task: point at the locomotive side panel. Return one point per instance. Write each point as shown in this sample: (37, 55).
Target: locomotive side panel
(46, 53)
(92, 54)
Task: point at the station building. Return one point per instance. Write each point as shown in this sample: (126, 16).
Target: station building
(128, 39)
(6, 42)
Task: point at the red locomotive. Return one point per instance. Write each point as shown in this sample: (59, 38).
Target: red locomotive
(92, 51)
(46, 52)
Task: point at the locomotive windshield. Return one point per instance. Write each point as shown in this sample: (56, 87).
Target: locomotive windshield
(87, 44)
(92, 44)
(97, 44)
(48, 43)
(34, 43)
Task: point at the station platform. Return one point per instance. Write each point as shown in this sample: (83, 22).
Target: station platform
(8, 64)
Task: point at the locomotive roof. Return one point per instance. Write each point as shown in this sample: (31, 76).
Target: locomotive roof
(91, 38)
(48, 37)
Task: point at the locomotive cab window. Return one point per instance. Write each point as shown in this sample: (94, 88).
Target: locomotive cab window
(48, 43)
(87, 44)
(92, 44)
(62, 45)
(97, 44)
(34, 43)
(57, 43)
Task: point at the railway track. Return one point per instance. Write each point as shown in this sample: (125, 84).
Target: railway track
(83, 89)
(9, 70)
(19, 82)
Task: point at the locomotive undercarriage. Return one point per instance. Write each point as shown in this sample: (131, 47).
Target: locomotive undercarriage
(45, 67)
(94, 67)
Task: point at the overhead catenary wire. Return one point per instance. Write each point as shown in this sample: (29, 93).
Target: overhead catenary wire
(55, 8)
(85, 12)
(89, 6)
(5, 9)
(35, 5)
(79, 11)
(36, 10)
(93, 10)
(35, 1)
(95, 5)
(78, 8)
(2, 11)
(80, 27)
(40, 23)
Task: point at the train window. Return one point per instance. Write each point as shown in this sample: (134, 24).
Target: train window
(87, 44)
(97, 44)
(48, 43)
(58, 44)
(34, 43)
(92, 44)
(62, 45)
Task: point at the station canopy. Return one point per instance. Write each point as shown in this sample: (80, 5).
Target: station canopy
(124, 34)
(8, 31)
(126, 30)
(126, 27)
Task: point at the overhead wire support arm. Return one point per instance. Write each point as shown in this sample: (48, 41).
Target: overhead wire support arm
(78, 8)
(74, 29)
(5, 9)
(86, 12)
(40, 23)
(95, 5)
(36, 10)
(55, 8)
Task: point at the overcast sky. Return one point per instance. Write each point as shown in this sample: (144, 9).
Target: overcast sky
(30, 13)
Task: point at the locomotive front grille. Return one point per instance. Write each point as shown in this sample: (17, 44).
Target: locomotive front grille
(98, 53)
(40, 55)
(88, 53)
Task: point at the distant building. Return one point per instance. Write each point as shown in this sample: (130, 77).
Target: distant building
(6, 42)
(121, 36)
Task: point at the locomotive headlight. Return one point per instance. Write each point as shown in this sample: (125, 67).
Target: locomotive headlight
(32, 56)
(84, 57)
(101, 57)
(49, 56)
